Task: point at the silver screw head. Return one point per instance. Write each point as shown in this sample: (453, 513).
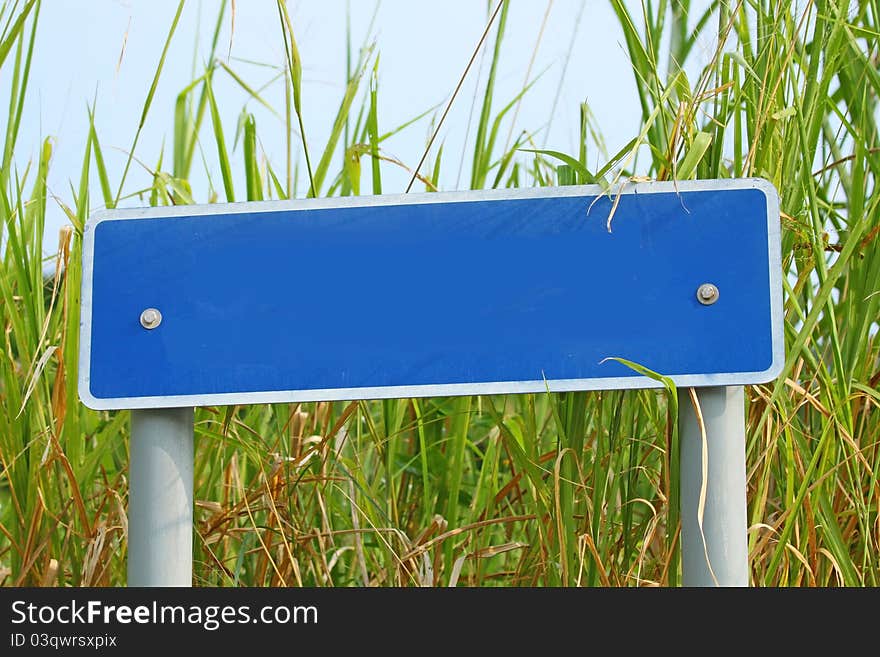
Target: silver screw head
(151, 318)
(707, 294)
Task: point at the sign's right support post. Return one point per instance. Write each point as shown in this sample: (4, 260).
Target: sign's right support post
(717, 554)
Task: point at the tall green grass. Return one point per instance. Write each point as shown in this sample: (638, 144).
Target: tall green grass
(566, 489)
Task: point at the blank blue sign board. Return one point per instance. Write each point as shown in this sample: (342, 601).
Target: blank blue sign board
(504, 291)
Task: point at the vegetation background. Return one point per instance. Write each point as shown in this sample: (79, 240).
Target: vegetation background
(564, 489)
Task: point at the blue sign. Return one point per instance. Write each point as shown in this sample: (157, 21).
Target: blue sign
(504, 291)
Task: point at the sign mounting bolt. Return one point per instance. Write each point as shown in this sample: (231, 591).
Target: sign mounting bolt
(707, 294)
(151, 318)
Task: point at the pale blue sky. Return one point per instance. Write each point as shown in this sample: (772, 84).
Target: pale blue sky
(424, 48)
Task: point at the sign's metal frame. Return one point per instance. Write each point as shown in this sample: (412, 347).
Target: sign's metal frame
(502, 387)
(712, 441)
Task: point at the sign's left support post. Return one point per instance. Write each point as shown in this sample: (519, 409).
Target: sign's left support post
(160, 504)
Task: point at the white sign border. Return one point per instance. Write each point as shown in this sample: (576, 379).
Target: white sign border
(434, 390)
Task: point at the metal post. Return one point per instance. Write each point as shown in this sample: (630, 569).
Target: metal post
(724, 516)
(160, 504)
